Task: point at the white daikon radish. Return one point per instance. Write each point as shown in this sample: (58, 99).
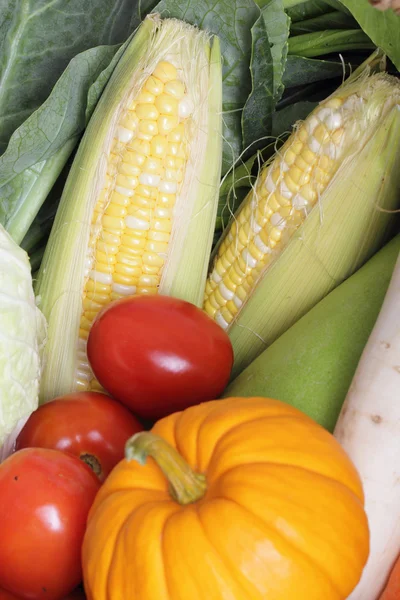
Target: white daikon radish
(369, 430)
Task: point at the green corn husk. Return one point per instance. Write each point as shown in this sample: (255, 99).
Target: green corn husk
(312, 364)
(62, 274)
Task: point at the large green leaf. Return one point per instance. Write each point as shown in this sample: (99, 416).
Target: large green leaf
(38, 38)
(40, 147)
(298, 11)
(382, 27)
(319, 43)
(302, 71)
(232, 21)
(332, 20)
(270, 46)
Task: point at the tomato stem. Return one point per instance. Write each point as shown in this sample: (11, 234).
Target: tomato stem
(185, 485)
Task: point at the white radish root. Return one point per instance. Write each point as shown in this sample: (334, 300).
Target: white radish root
(369, 430)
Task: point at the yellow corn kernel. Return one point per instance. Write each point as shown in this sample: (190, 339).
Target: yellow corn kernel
(158, 236)
(130, 121)
(308, 155)
(101, 267)
(127, 182)
(165, 71)
(166, 123)
(107, 248)
(120, 199)
(113, 223)
(154, 85)
(140, 213)
(175, 88)
(103, 257)
(89, 304)
(145, 97)
(124, 279)
(148, 128)
(135, 159)
(152, 166)
(166, 105)
(128, 259)
(90, 315)
(159, 146)
(115, 210)
(127, 270)
(83, 334)
(152, 259)
(139, 146)
(163, 225)
(147, 111)
(321, 134)
(209, 309)
(157, 247)
(177, 134)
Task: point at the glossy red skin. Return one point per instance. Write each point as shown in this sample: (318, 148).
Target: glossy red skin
(90, 425)
(45, 497)
(158, 354)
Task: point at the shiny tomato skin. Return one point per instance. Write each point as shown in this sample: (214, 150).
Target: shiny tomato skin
(45, 497)
(90, 425)
(158, 354)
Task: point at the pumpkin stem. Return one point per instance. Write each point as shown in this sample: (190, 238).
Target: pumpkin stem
(186, 486)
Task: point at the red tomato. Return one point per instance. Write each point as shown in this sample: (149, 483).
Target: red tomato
(45, 497)
(90, 425)
(158, 354)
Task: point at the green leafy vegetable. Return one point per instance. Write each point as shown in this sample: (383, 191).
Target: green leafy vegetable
(332, 20)
(319, 43)
(38, 38)
(40, 147)
(269, 53)
(302, 71)
(257, 112)
(22, 335)
(299, 11)
(382, 27)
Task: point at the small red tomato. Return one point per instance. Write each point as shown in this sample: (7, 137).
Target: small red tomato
(45, 497)
(90, 425)
(158, 354)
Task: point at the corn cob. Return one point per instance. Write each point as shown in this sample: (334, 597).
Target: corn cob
(138, 211)
(311, 219)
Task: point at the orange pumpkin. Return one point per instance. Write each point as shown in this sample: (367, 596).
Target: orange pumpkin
(245, 499)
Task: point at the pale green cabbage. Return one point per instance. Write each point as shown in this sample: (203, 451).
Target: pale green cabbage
(22, 337)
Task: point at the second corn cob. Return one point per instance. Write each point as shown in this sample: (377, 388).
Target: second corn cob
(316, 213)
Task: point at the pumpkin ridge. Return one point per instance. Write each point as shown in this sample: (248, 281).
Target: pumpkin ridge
(217, 406)
(125, 524)
(233, 429)
(228, 564)
(294, 417)
(298, 467)
(289, 543)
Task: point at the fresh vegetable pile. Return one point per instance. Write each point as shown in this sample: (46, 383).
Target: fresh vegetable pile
(199, 300)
